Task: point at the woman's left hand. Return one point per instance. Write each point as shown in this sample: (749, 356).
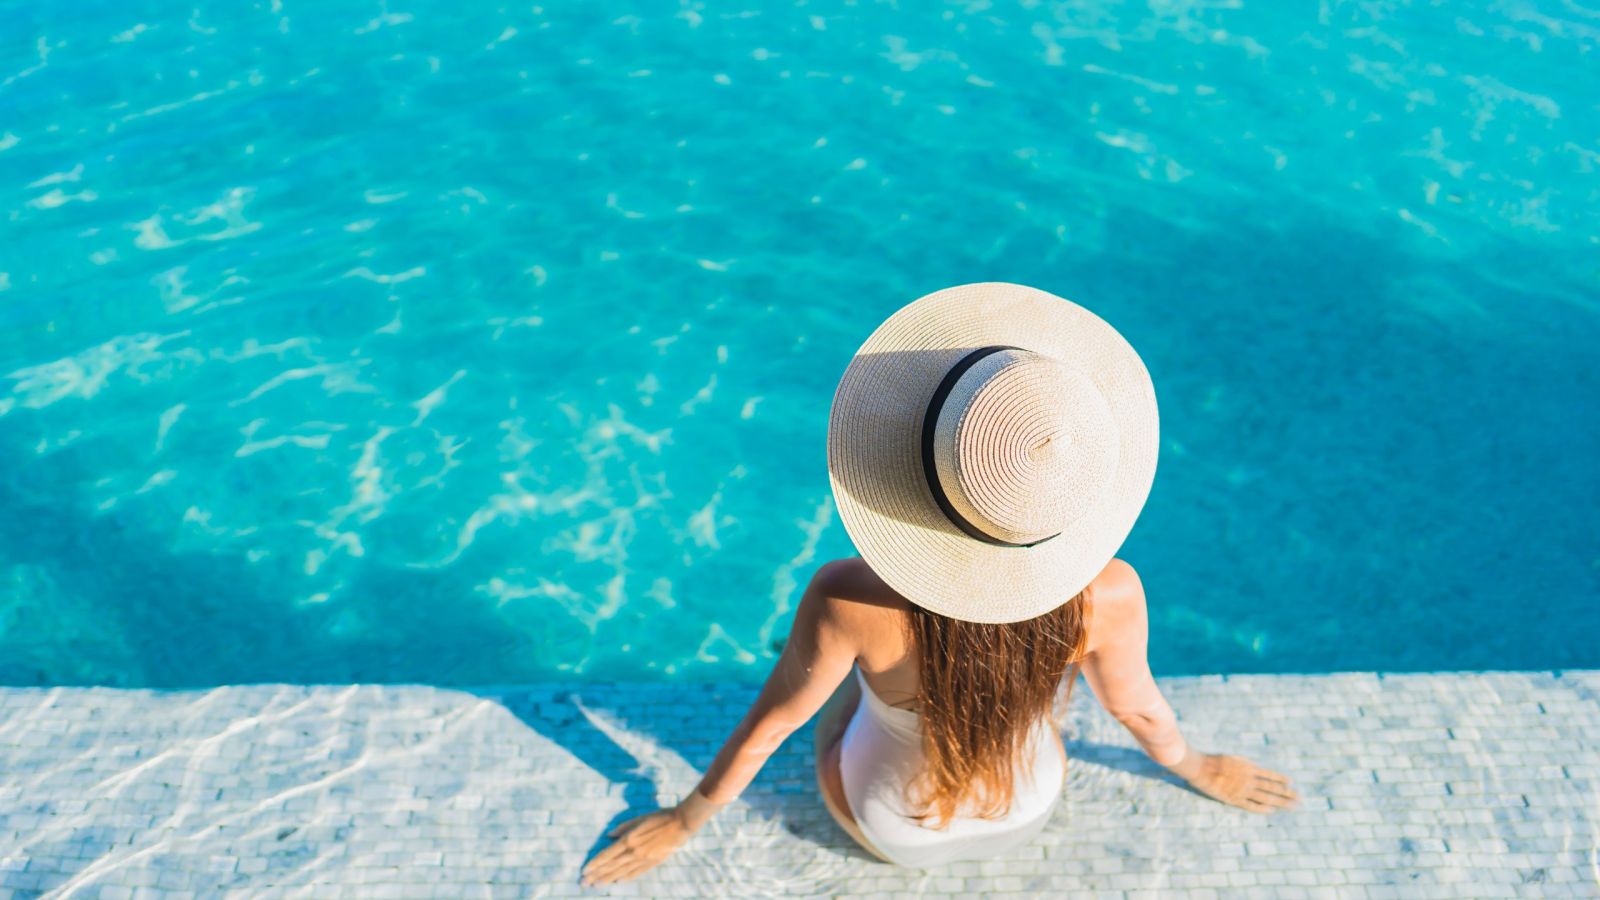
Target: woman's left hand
(641, 844)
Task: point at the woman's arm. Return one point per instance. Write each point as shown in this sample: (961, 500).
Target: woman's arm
(1118, 671)
(1118, 668)
(817, 656)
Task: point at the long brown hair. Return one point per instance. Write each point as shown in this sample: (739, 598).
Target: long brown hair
(982, 689)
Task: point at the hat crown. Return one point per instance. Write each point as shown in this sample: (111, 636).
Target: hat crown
(1024, 445)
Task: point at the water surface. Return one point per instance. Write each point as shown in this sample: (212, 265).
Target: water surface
(449, 343)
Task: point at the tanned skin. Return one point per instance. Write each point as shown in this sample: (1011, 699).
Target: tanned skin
(848, 617)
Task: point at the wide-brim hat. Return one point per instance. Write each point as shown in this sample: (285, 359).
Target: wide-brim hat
(990, 447)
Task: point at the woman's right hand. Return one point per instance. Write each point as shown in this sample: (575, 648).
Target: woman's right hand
(1236, 781)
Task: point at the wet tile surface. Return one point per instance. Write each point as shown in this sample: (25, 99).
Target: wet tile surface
(1464, 784)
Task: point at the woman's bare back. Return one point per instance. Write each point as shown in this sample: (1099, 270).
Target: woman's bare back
(886, 657)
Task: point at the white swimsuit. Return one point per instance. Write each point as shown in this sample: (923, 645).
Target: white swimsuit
(881, 752)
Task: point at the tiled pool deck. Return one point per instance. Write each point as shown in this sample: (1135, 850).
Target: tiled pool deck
(1469, 785)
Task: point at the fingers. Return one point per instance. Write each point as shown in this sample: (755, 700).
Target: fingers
(1272, 777)
(612, 859)
(641, 844)
(1271, 802)
(606, 864)
(1276, 787)
(625, 827)
(624, 866)
(639, 867)
(1267, 791)
(1241, 783)
(1277, 792)
(604, 860)
(1261, 800)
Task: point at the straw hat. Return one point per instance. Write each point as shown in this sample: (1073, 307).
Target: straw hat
(990, 447)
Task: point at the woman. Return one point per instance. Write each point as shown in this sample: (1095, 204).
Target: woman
(990, 447)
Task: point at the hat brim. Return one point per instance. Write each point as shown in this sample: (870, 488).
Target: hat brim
(875, 463)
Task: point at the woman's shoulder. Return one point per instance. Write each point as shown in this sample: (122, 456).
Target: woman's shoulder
(855, 589)
(871, 615)
(1114, 601)
(852, 598)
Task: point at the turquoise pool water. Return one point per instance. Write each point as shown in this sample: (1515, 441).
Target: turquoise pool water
(437, 342)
